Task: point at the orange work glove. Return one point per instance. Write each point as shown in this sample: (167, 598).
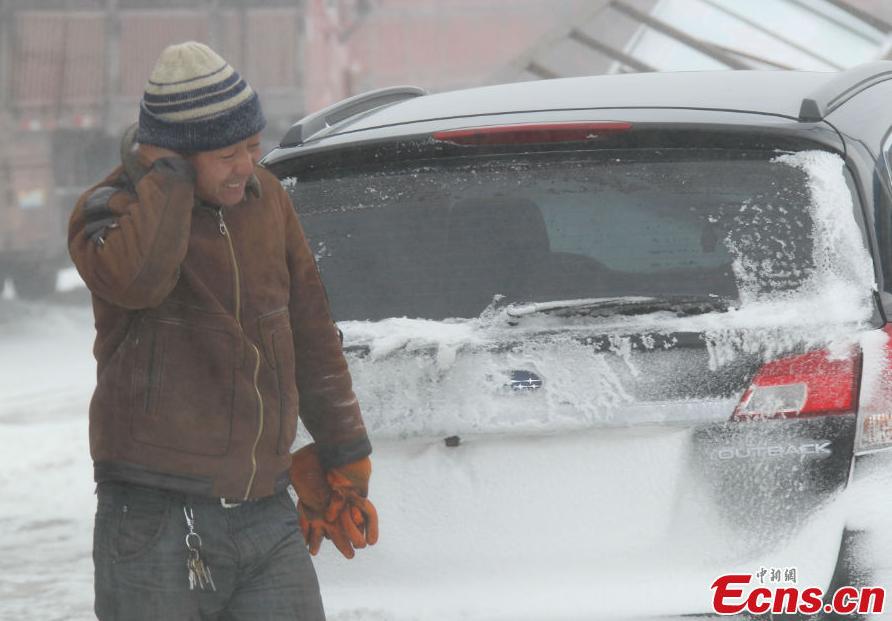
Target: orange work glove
(314, 496)
(350, 506)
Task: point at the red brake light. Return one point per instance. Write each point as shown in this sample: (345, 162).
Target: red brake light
(531, 133)
(812, 384)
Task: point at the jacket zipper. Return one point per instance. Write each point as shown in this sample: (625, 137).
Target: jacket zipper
(224, 231)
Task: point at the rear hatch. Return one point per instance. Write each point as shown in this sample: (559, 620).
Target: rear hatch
(591, 373)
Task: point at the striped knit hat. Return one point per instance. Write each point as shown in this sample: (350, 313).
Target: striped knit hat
(195, 101)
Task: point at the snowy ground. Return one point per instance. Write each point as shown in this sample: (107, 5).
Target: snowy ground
(46, 377)
(46, 374)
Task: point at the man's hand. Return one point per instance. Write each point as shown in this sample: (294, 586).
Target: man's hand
(325, 513)
(138, 158)
(148, 153)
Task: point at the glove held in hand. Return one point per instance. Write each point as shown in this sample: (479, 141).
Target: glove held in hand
(334, 505)
(349, 503)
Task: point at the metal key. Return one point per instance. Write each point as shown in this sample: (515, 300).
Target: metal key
(199, 573)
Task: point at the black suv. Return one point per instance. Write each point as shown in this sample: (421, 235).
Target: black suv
(615, 337)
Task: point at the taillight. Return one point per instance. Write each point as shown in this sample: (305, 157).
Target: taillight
(875, 410)
(531, 133)
(813, 384)
(876, 432)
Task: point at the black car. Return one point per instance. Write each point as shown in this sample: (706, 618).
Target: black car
(615, 337)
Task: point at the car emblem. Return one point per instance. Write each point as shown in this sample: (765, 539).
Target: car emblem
(522, 381)
(812, 449)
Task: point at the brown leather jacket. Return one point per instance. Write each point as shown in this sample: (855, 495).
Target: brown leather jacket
(211, 324)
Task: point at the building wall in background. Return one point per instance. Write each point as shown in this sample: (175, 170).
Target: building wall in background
(355, 46)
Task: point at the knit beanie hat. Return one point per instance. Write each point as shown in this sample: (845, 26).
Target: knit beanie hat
(195, 101)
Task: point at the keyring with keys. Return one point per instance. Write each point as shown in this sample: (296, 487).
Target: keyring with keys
(199, 573)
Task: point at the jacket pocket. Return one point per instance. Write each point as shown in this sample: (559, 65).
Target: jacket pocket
(183, 386)
(278, 344)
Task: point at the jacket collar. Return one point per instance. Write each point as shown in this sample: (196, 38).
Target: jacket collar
(253, 187)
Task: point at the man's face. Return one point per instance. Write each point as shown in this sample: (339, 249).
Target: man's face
(221, 174)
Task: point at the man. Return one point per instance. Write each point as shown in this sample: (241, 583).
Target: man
(212, 328)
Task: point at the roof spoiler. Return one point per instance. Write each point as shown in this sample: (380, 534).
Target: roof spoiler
(314, 123)
(845, 85)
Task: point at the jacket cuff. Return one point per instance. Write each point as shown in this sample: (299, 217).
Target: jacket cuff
(334, 456)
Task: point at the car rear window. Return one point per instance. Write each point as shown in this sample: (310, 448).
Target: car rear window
(447, 237)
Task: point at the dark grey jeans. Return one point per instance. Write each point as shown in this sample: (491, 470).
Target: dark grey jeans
(260, 565)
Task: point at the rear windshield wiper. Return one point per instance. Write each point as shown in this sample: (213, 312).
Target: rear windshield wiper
(681, 305)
